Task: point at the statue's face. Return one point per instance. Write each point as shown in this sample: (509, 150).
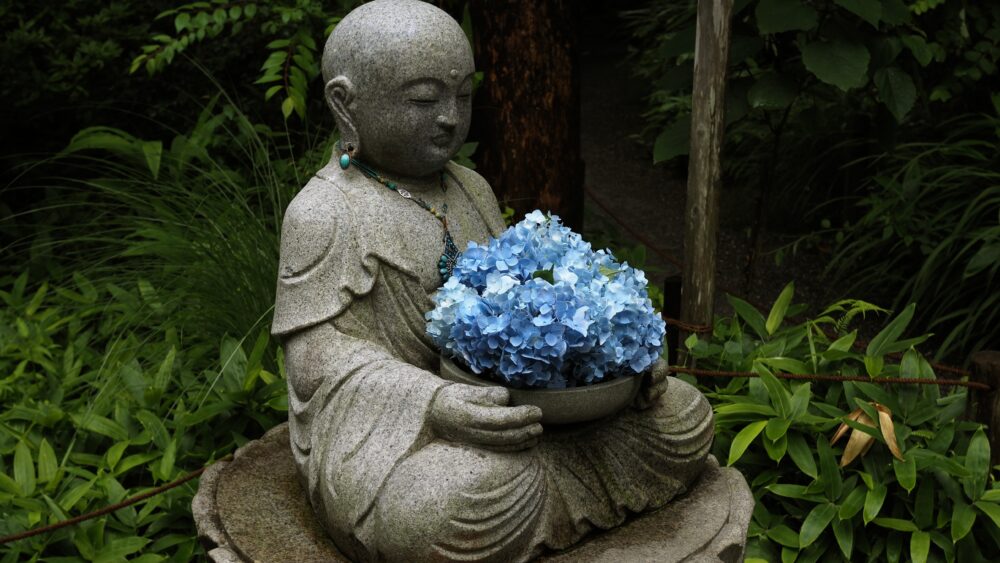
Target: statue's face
(413, 111)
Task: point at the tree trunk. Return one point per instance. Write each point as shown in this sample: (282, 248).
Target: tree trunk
(527, 111)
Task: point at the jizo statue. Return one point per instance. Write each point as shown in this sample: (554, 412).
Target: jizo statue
(399, 464)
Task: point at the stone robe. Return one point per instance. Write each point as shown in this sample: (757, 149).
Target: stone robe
(357, 271)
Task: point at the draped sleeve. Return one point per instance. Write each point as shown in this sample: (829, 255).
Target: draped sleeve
(321, 270)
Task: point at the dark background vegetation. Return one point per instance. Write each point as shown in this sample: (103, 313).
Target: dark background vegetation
(149, 149)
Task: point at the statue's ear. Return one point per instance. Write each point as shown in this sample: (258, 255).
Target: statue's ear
(339, 96)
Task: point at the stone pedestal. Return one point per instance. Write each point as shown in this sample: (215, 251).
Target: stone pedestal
(255, 509)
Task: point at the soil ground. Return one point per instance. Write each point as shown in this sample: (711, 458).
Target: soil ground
(650, 199)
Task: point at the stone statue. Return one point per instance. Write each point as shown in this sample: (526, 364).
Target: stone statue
(400, 465)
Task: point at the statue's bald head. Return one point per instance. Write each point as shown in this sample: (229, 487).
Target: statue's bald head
(379, 39)
(398, 79)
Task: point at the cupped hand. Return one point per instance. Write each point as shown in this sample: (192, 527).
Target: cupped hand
(479, 416)
(654, 385)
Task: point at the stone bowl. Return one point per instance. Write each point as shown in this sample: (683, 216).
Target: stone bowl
(560, 406)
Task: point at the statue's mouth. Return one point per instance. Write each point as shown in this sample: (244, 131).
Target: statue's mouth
(442, 140)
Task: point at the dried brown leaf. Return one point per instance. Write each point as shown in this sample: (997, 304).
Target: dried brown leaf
(888, 431)
(843, 427)
(859, 443)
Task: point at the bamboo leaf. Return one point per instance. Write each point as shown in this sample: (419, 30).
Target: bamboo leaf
(990, 509)
(777, 314)
(920, 546)
(853, 503)
(816, 521)
(743, 439)
(963, 517)
(47, 464)
(24, 468)
(891, 333)
(896, 524)
(749, 314)
(802, 454)
(873, 502)
(843, 531)
(977, 462)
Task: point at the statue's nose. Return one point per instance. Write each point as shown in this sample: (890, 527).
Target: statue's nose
(447, 120)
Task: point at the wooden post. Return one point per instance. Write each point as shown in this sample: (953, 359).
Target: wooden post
(984, 406)
(711, 59)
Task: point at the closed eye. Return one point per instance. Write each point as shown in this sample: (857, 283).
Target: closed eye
(422, 101)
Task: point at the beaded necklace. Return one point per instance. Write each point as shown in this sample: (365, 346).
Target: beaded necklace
(446, 264)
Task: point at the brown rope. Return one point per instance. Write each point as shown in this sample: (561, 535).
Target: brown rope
(704, 328)
(111, 508)
(686, 326)
(826, 377)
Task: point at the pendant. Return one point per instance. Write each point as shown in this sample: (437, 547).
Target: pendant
(446, 265)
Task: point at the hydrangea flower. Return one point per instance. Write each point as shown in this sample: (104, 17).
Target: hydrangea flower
(538, 307)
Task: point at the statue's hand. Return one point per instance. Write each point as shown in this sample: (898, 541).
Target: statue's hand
(479, 416)
(653, 386)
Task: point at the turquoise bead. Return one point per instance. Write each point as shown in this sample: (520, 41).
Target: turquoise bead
(345, 160)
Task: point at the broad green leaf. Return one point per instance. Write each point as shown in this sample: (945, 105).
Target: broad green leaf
(992, 495)
(963, 517)
(853, 503)
(47, 464)
(844, 343)
(990, 509)
(829, 471)
(799, 405)
(802, 454)
(874, 365)
(776, 448)
(745, 408)
(895, 524)
(771, 91)
(780, 307)
(69, 499)
(918, 46)
(843, 531)
(153, 151)
(977, 463)
(167, 461)
(891, 333)
(287, 107)
(906, 472)
(153, 425)
(749, 314)
(873, 502)
(895, 12)
(10, 485)
(776, 428)
(674, 140)
(794, 491)
(743, 439)
(867, 10)
(776, 16)
(896, 90)
(116, 549)
(100, 425)
(920, 546)
(162, 377)
(114, 454)
(839, 62)
(790, 365)
(923, 507)
(780, 397)
(24, 468)
(817, 521)
(784, 536)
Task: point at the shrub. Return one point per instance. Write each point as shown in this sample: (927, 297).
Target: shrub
(940, 502)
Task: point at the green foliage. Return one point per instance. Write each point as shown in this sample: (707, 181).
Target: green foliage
(100, 410)
(292, 28)
(815, 86)
(930, 233)
(940, 504)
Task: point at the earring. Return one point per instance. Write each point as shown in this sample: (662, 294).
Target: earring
(345, 159)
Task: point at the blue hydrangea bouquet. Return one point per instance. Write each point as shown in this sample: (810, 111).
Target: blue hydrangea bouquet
(539, 308)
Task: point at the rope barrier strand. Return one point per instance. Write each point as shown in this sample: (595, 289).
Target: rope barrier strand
(830, 377)
(111, 508)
